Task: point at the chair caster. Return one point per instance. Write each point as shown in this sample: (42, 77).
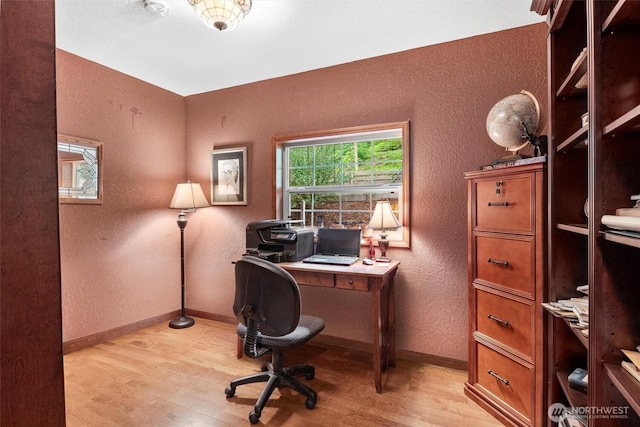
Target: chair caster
(254, 417)
(310, 403)
(310, 375)
(230, 392)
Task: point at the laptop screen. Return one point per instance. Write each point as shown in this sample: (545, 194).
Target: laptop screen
(339, 241)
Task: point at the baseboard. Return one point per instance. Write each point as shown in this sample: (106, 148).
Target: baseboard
(412, 356)
(91, 340)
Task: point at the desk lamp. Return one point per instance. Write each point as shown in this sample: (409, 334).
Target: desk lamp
(187, 198)
(383, 219)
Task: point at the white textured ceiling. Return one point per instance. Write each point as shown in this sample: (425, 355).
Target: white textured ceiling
(279, 37)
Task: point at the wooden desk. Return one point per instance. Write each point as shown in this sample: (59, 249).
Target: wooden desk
(377, 279)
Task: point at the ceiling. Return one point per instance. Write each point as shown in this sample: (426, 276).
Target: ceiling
(179, 53)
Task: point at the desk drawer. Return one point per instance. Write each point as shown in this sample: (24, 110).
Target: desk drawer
(506, 379)
(507, 261)
(505, 204)
(505, 320)
(313, 279)
(357, 283)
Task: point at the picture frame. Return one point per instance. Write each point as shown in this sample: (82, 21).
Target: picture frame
(228, 176)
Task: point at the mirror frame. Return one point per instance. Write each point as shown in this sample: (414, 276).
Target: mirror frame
(83, 142)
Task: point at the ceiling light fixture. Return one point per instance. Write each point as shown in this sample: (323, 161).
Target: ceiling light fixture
(221, 14)
(156, 6)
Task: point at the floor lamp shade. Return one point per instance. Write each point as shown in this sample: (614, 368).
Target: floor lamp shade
(383, 219)
(187, 197)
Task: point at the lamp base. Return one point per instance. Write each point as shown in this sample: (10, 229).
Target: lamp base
(383, 259)
(182, 322)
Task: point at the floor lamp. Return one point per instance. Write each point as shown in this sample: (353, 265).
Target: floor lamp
(187, 198)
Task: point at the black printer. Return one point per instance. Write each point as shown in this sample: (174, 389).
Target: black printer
(275, 240)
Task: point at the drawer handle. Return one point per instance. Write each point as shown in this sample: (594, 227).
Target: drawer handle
(498, 377)
(350, 281)
(499, 320)
(505, 264)
(493, 204)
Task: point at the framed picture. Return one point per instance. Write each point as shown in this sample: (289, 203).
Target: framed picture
(228, 176)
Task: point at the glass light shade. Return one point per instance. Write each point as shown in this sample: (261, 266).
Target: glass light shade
(383, 217)
(221, 14)
(188, 195)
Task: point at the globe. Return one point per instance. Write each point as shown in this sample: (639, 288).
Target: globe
(514, 120)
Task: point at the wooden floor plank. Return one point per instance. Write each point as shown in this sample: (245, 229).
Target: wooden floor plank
(176, 377)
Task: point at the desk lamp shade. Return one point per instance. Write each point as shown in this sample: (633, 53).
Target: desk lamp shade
(187, 197)
(383, 219)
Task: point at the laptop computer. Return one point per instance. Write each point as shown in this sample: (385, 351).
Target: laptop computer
(337, 246)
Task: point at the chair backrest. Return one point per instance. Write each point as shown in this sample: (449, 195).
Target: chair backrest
(266, 294)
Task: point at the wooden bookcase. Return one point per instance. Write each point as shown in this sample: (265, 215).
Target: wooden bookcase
(597, 163)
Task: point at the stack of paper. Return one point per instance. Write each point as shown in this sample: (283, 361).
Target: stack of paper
(632, 367)
(626, 220)
(574, 310)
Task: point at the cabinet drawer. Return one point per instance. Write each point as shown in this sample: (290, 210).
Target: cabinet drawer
(358, 283)
(506, 379)
(512, 209)
(506, 261)
(313, 279)
(505, 320)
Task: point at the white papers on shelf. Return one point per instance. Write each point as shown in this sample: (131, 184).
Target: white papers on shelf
(584, 289)
(617, 222)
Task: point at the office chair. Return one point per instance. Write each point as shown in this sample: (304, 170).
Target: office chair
(267, 305)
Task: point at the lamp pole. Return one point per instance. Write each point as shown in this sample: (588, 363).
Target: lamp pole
(183, 321)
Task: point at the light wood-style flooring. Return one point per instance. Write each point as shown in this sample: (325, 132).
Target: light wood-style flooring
(166, 377)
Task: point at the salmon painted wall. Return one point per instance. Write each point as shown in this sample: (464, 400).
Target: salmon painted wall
(120, 260)
(446, 92)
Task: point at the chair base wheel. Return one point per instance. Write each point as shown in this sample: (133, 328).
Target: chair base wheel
(254, 417)
(310, 403)
(230, 392)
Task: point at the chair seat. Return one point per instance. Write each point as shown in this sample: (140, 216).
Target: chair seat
(308, 327)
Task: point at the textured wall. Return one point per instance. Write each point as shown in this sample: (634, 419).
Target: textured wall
(121, 259)
(446, 92)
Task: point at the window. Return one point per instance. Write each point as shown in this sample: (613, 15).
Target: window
(336, 177)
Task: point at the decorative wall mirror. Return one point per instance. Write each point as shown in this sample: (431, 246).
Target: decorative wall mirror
(79, 163)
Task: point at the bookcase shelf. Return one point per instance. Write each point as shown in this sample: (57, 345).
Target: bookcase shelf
(627, 122)
(626, 385)
(574, 228)
(577, 139)
(623, 240)
(575, 397)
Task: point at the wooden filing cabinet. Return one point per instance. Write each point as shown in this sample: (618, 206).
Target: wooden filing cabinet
(506, 272)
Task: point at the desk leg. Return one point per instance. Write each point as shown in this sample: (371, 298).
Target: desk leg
(240, 348)
(377, 338)
(391, 325)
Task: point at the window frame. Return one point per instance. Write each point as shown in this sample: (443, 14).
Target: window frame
(280, 142)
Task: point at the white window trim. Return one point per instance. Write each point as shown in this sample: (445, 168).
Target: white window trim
(400, 238)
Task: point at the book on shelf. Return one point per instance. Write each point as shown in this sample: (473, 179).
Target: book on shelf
(514, 162)
(632, 369)
(579, 379)
(569, 419)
